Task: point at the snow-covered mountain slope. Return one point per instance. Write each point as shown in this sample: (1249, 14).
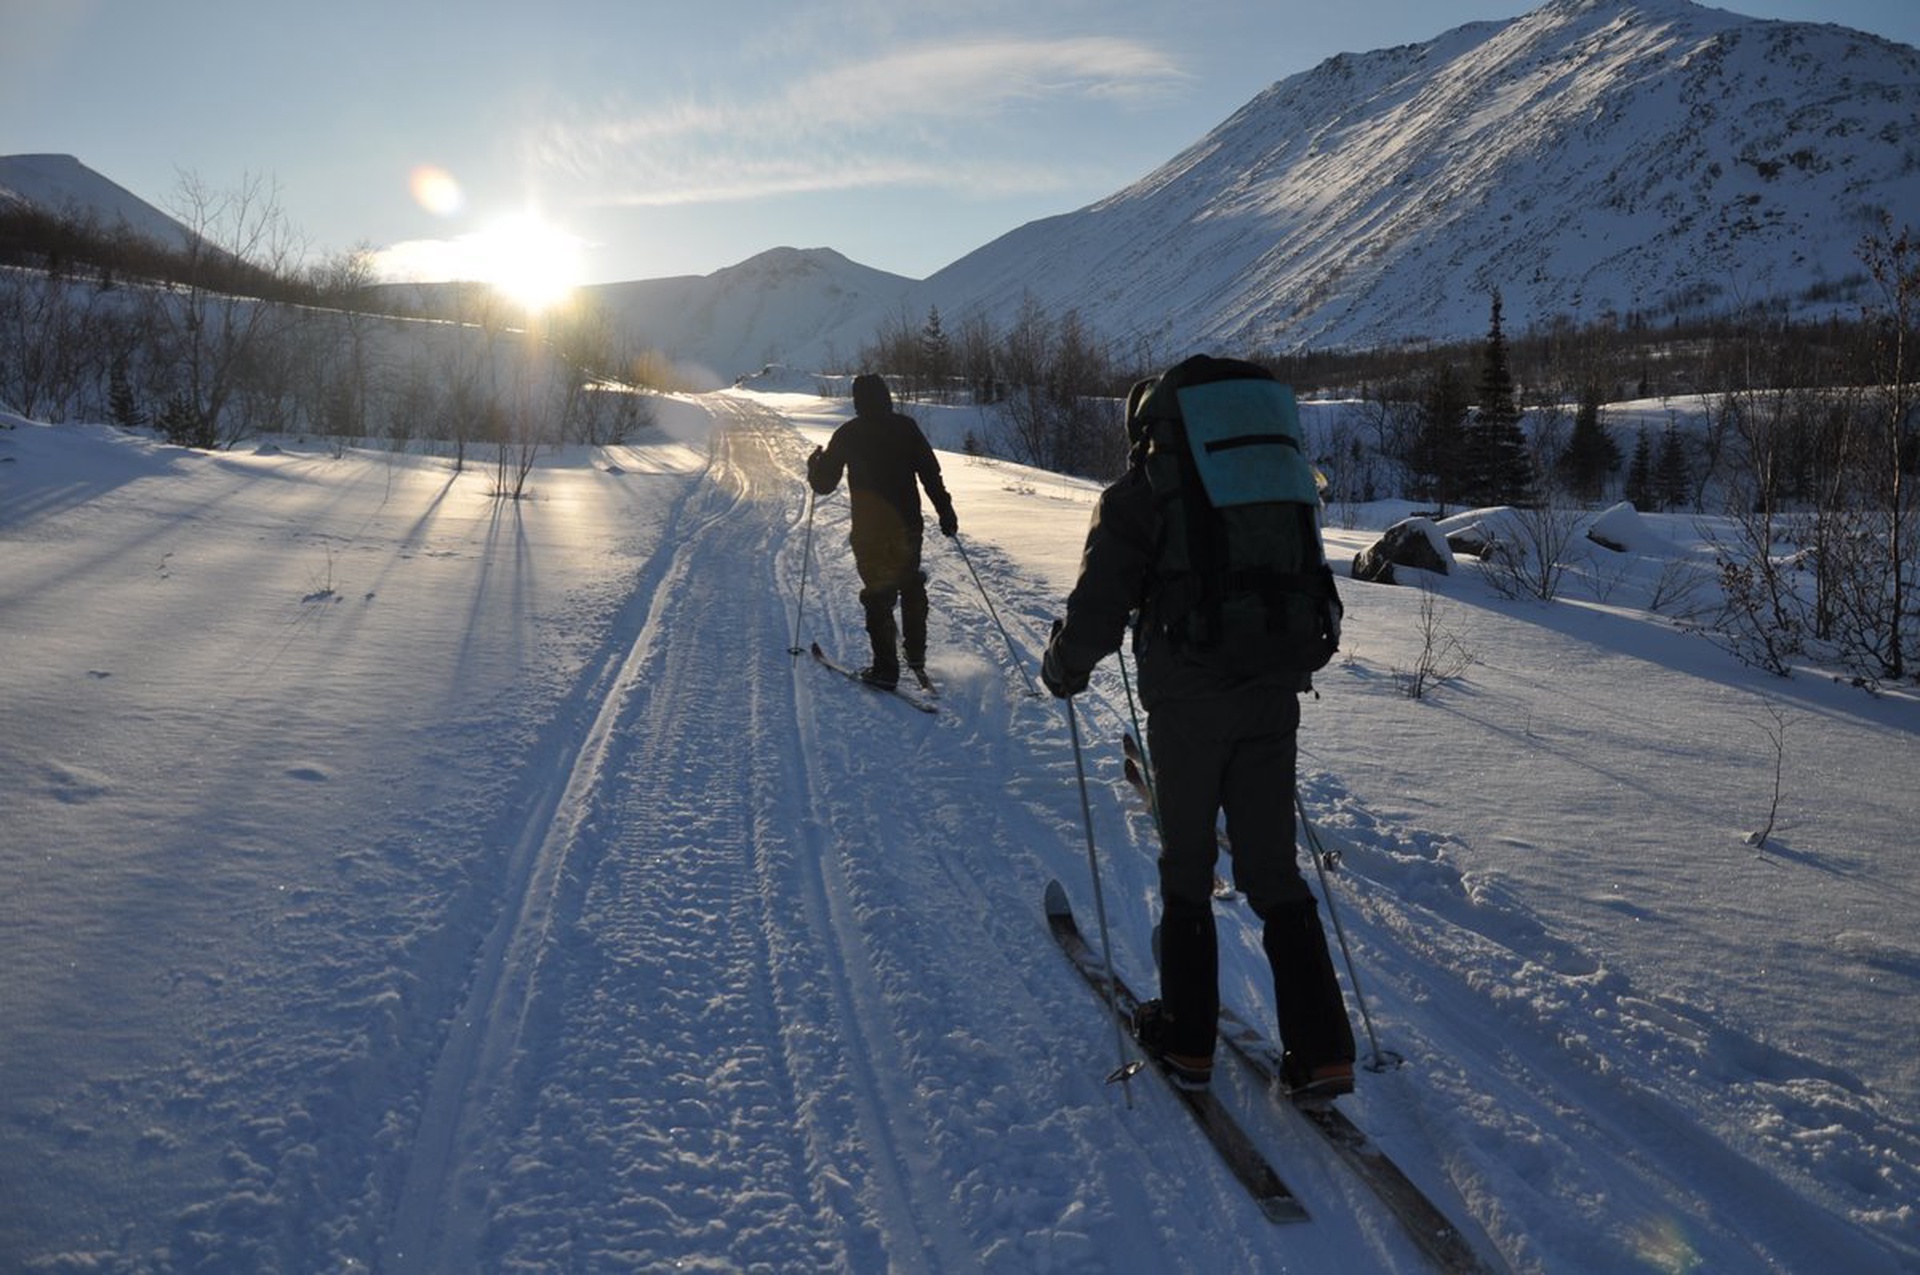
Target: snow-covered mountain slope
(61, 184)
(1592, 157)
(737, 320)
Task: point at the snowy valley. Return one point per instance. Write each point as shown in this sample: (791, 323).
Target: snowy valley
(426, 848)
(402, 878)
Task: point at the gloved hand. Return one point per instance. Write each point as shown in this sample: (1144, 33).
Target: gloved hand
(1054, 672)
(949, 524)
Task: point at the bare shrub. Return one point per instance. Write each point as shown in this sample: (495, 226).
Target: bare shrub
(1443, 653)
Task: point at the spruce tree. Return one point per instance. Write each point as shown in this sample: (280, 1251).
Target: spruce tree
(936, 353)
(1500, 470)
(1438, 455)
(121, 403)
(1674, 473)
(1640, 485)
(1591, 455)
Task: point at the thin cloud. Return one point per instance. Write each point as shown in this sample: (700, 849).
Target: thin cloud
(733, 179)
(980, 78)
(934, 115)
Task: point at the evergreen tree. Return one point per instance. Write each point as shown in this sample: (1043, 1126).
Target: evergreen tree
(1499, 470)
(121, 403)
(1438, 453)
(1591, 455)
(1640, 485)
(1674, 474)
(936, 354)
(184, 425)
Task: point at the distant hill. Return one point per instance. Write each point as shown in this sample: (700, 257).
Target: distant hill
(62, 185)
(739, 319)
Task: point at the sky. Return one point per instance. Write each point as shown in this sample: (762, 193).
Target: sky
(595, 141)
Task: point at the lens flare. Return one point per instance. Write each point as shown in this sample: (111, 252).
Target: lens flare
(435, 190)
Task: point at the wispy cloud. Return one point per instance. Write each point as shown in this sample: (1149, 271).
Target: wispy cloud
(936, 115)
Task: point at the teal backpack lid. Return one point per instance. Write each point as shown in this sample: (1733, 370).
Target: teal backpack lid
(1246, 441)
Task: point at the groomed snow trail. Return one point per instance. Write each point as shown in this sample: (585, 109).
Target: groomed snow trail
(771, 989)
(533, 907)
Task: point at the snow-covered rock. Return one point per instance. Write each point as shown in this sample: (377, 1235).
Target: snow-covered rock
(1416, 543)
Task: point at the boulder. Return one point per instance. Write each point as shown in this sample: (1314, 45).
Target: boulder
(1415, 543)
(1622, 530)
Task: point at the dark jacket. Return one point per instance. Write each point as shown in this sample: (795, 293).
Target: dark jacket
(1116, 581)
(883, 454)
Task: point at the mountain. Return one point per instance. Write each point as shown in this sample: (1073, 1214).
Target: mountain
(716, 326)
(719, 327)
(1651, 158)
(1589, 157)
(61, 184)
(745, 316)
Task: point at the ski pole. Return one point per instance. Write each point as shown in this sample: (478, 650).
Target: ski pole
(1018, 663)
(1124, 1070)
(805, 561)
(1383, 1059)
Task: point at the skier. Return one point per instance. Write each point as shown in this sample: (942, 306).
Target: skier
(1222, 733)
(882, 453)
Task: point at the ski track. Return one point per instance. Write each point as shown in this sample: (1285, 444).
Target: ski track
(455, 1127)
(697, 1035)
(768, 987)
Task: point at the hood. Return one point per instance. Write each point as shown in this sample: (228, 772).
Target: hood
(871, 396)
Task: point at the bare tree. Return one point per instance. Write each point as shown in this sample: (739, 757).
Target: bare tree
(49, 341)
(977, 359)
(1894, 262)
(1058, 409)
(213, 331)
(1528, 557)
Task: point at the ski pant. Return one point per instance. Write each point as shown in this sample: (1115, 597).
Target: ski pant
(1237, 752)
(890, 575)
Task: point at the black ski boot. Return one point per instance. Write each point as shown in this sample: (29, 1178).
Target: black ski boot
(1151, 1024)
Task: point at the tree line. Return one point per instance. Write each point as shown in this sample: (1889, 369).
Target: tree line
(1801, 435)
(228, 336)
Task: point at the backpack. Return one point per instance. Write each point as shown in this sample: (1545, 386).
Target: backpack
(1240, 578)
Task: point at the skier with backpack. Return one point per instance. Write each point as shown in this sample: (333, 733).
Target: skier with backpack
(1209, 545)
(883, 453)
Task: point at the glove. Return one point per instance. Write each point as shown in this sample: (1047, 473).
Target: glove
(1054, 672)
(949, 525)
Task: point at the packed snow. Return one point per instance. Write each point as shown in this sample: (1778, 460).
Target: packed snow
(399, 877)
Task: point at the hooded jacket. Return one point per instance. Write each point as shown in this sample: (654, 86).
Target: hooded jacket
(883, 454)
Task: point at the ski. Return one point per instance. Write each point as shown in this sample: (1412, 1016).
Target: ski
(1236, 1149)
(899, 692)
(1423, 1221)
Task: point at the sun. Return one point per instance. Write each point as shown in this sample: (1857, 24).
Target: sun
(530, 262)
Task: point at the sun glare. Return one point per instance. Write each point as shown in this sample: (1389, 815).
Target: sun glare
(533, 264)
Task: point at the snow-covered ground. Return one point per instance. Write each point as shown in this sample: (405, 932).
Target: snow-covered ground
(398, 878)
